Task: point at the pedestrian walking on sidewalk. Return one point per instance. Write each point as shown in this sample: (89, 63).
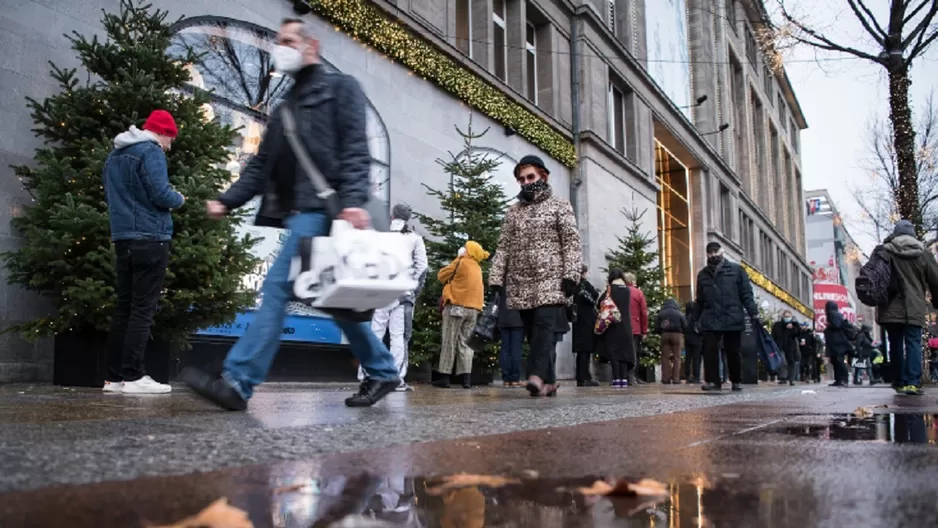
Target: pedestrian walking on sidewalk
(511, 329)
(537, 263)
(617, 343)
(584, 337)
(394, 318)
(914, 271)
(463, 298)
(787, 335)
(724, 300)
(693, 343)
(329, 110)
(139, 198)
(808, 346)
(638, 307)
(838, 336)
(670, 324)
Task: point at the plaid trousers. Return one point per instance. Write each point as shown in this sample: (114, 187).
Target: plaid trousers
(458, 322)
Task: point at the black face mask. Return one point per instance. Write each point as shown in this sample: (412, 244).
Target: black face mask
(715, 260)
(530, 190)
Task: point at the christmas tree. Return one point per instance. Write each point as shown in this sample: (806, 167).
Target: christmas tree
(473, 207)
(637, 253)
(66, 253)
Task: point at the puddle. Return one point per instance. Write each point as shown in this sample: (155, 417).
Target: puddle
(898, 428)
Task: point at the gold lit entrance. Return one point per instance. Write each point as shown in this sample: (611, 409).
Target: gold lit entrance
(674, 224)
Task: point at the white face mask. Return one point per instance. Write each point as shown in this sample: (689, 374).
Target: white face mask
(287, 60)
(397, 225)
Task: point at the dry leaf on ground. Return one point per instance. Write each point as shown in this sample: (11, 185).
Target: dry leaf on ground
(289, 489)
(623, 488)
(216, 515)
(465, 480)
(866, 412)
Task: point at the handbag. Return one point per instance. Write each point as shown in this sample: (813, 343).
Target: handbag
(769, 353)
(441, 303)
(609, 314)
(485, 331)
(351, 272)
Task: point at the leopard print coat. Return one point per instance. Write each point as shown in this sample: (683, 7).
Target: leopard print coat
(539, 246)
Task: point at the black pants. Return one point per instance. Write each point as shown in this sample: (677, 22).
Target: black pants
(840, 369)
(620, 370)
(692, 361)
(807, 368)
(141, 271)
(791, 362)
(583, 366)
(731, 344)
(539, 329)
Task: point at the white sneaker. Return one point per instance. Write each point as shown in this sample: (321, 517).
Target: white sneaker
(113, 386)
(403, 387)
(146, 385)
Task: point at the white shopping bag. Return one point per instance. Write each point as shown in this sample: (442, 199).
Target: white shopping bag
(353, 269)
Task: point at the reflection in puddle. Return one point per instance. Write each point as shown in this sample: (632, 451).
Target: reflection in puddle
(892, 427)
(407, 502)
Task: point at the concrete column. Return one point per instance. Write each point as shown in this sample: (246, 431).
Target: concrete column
(704, 68)
(515, 33)
(483, 44)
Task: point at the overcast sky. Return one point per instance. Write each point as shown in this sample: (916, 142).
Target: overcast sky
(840, 98)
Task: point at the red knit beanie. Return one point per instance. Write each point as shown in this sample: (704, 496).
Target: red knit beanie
(161, 122)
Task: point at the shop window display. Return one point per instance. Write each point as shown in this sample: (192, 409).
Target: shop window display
(235, 67)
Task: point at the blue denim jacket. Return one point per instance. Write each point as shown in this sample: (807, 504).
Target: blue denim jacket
(138, 191)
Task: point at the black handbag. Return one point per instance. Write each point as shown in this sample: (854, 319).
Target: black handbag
(485, 331)
(378, 210)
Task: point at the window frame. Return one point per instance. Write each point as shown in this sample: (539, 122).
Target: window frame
(468, 15)
(530, 50)
(500, 22)
(613, 137)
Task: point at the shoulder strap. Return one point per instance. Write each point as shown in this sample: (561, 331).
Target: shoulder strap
(325, 193)
(453, 276)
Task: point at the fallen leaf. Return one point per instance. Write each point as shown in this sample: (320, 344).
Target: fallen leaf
(216, 515)
(465, 480)
(289, 489)
(623, 488)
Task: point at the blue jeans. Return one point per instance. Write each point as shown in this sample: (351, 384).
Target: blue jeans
(905, 353)
(510, 354)
(249, 360)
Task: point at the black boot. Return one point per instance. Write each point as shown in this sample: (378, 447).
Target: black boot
(371, 392)
(442, 382)
(737, 387)
(467, 381)
(712, 387)
(587, 383)
(214, 389)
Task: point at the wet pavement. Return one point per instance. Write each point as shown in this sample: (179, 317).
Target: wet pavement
(766, 457)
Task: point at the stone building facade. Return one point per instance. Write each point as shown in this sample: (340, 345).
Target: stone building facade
(662, 106)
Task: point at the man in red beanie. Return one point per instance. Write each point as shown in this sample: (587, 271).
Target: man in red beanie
(140, 198)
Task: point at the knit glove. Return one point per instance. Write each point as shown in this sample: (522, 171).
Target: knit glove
(569, 287)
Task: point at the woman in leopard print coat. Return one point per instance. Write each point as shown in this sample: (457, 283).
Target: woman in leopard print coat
(538, 262)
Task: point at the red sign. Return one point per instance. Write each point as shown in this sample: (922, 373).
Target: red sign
(824, 292)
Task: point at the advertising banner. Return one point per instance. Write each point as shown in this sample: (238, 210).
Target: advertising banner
(838, 293)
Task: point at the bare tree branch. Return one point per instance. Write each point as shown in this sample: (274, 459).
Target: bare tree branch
(862, 12)
(819, 40)
(922, 28)
(908, 18)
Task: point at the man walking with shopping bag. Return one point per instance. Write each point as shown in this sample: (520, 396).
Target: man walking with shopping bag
(329, 110)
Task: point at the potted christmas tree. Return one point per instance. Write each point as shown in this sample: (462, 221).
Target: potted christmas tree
(66, 252)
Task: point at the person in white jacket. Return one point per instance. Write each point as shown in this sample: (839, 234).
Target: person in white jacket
(397, 318)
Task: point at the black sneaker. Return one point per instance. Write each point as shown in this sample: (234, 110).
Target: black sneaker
(214, 389)
(442, 382)
(711, 387)
(371, 392)
(589, 383)
(738, 388)
(791, 383)
(467, 381)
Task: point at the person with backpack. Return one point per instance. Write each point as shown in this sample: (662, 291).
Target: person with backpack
(839, 338)
(896, 278)
(863, 355)
(809, 346)
(670, 325)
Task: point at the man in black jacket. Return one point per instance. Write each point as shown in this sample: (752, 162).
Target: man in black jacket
(809, 351)
(724, 299)
(787, 335)
(329, 110)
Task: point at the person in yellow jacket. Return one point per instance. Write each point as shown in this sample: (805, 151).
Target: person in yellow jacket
(463, 297)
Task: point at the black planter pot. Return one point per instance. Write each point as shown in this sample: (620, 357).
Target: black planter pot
(646, 374)
(419, 374)
(80, 360)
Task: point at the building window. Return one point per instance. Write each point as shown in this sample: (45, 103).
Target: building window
(726, 210)
(768, 81)
(737, 103)
(746, 237)
(674, 223)
(794, 136)
(730, 9)
(498, 30)
(464, 26)
(234, 69)
(616, 105)
(750, 47)
(793, 277)
(758, 146)
(781, 269)
(782, 110)
(611, 15)
(530, 55)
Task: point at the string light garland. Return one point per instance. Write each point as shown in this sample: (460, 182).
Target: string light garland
(369, 25)
(766, 284)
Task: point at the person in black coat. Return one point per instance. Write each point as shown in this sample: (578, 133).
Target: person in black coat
(670, 324)
(808, 344)
(616, 344)
(724, 299)
(512, 331)
(838, 338)
(864, 354)
(584, 342)
(787, 335)
(693, 344)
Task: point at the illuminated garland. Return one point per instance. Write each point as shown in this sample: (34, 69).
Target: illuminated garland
(369, 24)
(766, 284)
